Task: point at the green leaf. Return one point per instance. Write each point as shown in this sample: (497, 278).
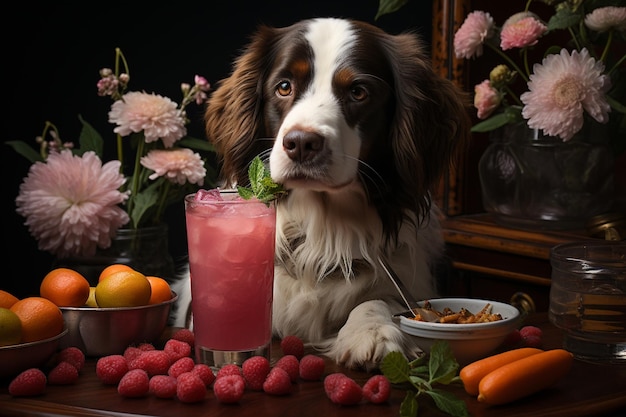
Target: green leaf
(388, 6)
(144, 201)
(492, 123)
(90, 139)
(25, 150)
(563, 19)
(196, 144)
(395, 367)
(261, 184)
(448, 403)
(442, 365)
(409, 406)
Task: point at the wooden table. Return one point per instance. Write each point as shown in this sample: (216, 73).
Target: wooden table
(589, 390)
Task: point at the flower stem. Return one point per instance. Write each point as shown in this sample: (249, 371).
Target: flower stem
(134, 191)
(509, 60)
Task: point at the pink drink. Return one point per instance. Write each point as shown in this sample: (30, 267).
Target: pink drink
(231, 262)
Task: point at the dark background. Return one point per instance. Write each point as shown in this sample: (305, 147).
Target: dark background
(52, 55)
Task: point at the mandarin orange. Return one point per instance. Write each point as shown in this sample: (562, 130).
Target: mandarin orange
(40, 317)
(161, 290)
(123, 289)
(113, 268)
(7, 299)
(65, 287)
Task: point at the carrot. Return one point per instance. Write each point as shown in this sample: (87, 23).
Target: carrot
(472, 373)
(525, 376)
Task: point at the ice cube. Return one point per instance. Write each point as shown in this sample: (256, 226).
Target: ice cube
(209, 195)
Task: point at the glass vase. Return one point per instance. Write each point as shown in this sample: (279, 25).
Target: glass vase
(533, 181)
(145, 249)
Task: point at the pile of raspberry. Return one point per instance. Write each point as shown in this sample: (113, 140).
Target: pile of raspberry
(171, 372)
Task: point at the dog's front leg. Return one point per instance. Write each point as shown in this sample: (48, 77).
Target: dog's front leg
(368, 336)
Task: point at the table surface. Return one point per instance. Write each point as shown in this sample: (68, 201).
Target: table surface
(589, 390)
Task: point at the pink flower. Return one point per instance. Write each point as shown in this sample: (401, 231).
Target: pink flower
(71, 203)
(486, 99)
(155, 115)
(604, 19)
(561, 88)
(177, 165)
(521, 30)
(468, 40)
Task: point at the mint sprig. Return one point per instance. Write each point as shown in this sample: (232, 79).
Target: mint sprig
(261, 184)
(422, 375)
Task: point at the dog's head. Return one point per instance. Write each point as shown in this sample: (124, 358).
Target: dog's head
(336, 103)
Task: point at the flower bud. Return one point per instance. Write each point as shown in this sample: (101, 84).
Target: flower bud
(501, 75)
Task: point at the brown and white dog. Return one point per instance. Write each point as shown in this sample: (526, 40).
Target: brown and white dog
(357, 126)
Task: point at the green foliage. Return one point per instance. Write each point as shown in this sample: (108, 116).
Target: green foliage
(261, 184)
(422, 374)
(389, 6)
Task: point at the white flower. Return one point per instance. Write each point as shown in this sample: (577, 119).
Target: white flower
(157, 116)
(603, 19)
(561, 88)
(71, 203)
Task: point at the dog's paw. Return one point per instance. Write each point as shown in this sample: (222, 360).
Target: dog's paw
(368, 336)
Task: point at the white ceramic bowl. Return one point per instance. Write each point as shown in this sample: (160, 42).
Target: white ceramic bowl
(109, 331)
(469, 342)
(17, 358)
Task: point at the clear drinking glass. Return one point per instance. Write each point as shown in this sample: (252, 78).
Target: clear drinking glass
(588, 299)
(231, 263)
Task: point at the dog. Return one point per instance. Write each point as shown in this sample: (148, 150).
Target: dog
(358, 128)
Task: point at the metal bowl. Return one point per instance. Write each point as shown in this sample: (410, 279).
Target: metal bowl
(17, 358)
(469, 342)
(109, 331)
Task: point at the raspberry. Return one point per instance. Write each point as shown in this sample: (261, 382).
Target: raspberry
(154, 362)
(255, 370)
(28, 383)
(146, 346)
(190, 388)
(229, 389)
(204, 372)
(312, 367)
(184, 335)
(292, 345)
(229, 369)
(342, 389)
(64, 373)
(291, 364)
(531, 336)
(185, 364)
(162, 386)
(131, 353)
(135, 383)
(110, 369)
(377, 389)
(177, 349)
(278, 382)
(73, 355)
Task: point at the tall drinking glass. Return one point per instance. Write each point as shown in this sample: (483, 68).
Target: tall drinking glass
(231, 262)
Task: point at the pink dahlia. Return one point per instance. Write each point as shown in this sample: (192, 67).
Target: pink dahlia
(468, 40)
(71, 203)
(177, 165)
(155, 115)
(604, 19)
(486, 99)
(521, 30)
(561, 88)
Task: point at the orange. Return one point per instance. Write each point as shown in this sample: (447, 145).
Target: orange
(10, 327)
(123, 289)
(7, 299)
(161, 290)
(113, 268)
(65, 287)
(40, 317)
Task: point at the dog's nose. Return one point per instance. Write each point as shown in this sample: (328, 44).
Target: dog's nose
(301, 145)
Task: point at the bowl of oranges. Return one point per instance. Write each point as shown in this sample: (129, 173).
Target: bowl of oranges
(125, 307)
(31, 329)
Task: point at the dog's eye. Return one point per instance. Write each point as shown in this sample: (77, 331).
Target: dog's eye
(358, 93)
(283, 88)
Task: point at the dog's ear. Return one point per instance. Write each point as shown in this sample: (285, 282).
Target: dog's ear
(234, 113)
(431, 126)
